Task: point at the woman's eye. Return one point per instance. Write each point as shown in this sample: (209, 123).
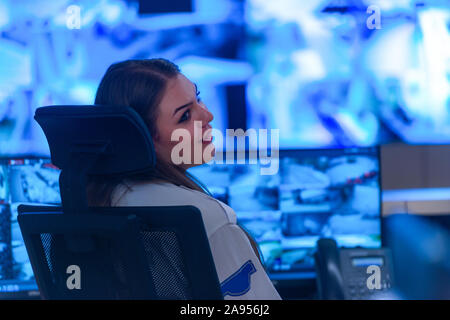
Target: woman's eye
(185, 116)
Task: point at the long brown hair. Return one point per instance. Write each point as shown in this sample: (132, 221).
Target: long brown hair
(140, 84)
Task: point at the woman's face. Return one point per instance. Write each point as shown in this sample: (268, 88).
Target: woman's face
(180, 107)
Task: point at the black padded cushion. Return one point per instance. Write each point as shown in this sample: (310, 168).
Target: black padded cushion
(75, 129)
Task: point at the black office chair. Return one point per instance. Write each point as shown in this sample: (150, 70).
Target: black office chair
(81, 252)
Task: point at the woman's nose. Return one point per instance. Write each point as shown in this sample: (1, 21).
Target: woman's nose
(210, 116)
(207, 116)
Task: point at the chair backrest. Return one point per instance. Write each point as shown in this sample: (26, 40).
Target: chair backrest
(120, 253)
(80, 252)
(94, 140)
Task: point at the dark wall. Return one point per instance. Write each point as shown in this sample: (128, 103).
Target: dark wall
(415, 166)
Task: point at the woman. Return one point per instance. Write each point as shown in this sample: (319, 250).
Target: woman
(168, 101)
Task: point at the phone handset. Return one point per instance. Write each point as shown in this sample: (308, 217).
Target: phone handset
(352, 273)
(330, 282)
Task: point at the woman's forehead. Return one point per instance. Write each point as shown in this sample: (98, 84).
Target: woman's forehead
(179, 84)
(179, 91)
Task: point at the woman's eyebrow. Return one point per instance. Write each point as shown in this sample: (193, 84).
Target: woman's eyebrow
(187, 104)
(182, 107)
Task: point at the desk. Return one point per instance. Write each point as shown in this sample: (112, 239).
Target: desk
(429, 201)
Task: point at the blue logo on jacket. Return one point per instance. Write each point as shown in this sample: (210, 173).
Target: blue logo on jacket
(239, 282)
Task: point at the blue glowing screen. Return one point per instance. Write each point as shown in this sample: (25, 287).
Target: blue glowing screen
(315, 193)
(326, 73)
(22, 181)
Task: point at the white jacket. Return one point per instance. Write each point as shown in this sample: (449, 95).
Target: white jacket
(239, 270)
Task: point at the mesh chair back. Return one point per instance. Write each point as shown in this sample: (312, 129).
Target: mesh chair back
(167, 267)
(121, 253)
(105, 250)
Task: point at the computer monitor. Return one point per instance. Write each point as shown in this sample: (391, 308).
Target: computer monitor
(22, 181)
(315, 193)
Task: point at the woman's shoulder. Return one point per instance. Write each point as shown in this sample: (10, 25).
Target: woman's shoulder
(215, 213)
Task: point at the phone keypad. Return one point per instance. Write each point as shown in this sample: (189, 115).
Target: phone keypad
(358, 290)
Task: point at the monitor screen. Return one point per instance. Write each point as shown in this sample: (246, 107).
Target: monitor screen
(22, 181)
(329, 68)
(315, 193)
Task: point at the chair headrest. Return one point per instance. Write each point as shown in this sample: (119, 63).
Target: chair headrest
(117, 134)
